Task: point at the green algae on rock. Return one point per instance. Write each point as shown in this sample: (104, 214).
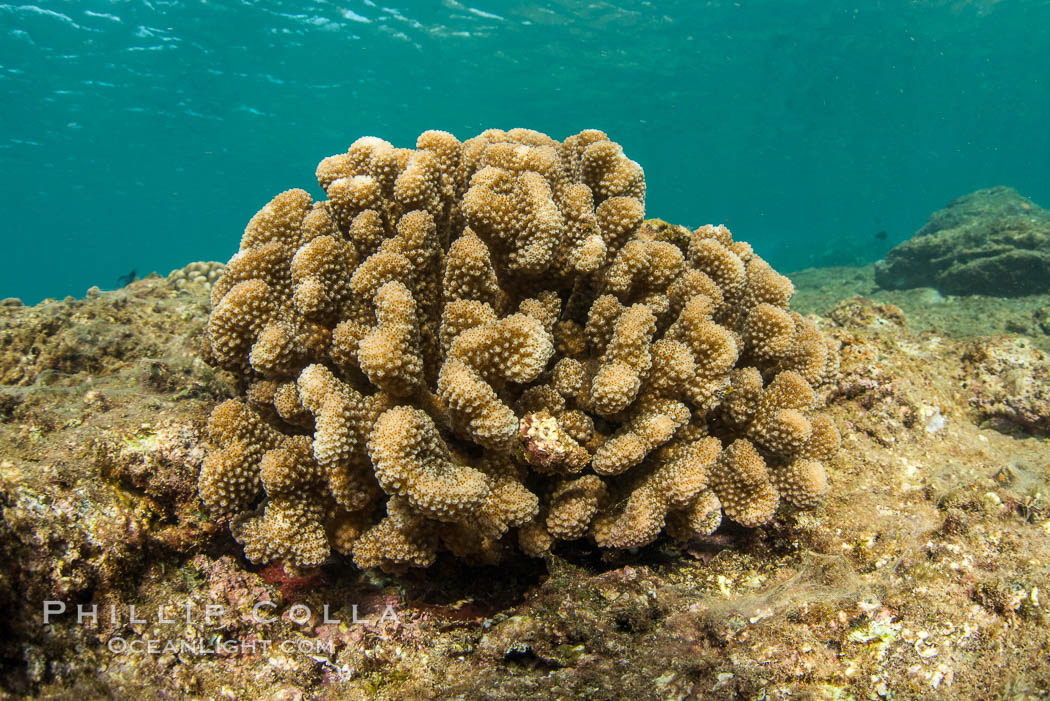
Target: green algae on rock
(990, 242)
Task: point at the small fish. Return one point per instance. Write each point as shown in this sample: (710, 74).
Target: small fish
(881, 235)
(125, 280)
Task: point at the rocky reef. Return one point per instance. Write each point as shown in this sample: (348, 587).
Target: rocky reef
(485, 345)
(990, 242)
(922, 573)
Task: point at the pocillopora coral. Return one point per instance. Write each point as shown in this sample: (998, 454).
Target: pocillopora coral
(484, 345)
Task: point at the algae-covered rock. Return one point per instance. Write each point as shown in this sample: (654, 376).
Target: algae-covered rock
(991, 242)
(923, 574)
(1010, 382)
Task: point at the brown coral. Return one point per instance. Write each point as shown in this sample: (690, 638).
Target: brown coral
(480, 345)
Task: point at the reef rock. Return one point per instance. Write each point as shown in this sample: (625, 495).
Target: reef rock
(991, 242)
(1010, 381)
(921, 575)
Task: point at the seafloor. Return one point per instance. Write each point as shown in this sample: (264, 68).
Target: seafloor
(924, 575)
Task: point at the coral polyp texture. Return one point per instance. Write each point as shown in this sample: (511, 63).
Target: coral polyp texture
(485, 346)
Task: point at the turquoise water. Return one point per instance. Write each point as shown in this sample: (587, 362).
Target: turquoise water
(143, 135)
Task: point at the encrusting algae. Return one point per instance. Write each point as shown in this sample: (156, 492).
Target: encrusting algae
(484, 345)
